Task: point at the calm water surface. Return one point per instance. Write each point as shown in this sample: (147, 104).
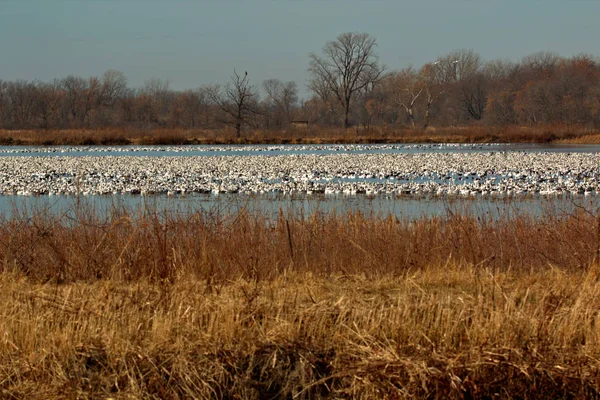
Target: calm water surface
(272, 205)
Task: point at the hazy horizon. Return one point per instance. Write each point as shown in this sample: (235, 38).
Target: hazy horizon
(192, 43)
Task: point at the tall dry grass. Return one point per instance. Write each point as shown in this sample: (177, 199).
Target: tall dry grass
(444, 332)
(348, 306)
(211, 245)
(310, 135)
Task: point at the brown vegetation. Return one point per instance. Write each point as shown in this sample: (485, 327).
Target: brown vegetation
(310, 135)
(217, 246)
(238, 306)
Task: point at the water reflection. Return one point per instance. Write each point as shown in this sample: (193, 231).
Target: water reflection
(271, 205)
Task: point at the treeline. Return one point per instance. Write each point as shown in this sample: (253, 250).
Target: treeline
(462, 89)
(458, 89)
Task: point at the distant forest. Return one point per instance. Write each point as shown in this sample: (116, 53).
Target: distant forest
(348, 86)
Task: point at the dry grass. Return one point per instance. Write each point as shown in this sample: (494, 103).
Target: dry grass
(586, 139)
(312, 135)
(215, 306)
(216, 246)
(444, 332)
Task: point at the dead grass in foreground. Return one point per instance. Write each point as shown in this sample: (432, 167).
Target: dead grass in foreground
(213, 306)
(445, 332)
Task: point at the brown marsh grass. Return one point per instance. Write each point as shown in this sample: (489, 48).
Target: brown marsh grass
(214, 245)
(310, 135)
(325, 306)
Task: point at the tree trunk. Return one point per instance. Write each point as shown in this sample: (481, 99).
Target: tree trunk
(426, 124)
(347, 113)
(238, 122)
(411, 117)
(346, 121)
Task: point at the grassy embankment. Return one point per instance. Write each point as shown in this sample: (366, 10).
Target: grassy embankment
(312, 135)
(351, 306)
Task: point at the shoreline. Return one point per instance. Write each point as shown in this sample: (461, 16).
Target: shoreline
(314, 135)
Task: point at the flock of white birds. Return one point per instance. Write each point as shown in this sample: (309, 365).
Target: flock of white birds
(474, 173)
(25, 150)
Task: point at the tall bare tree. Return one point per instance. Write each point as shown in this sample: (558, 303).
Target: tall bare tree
(91, 99)
(237, 100)
(23, 98)
(193, 107)
(114, 85)
(474, 94)
(408, 86)
(280, 100)
(153, 101)
(3, 106)
(49, 99)
(433, 86)
(75, 88)
(542, 62)
(458, 65)
(348, 66)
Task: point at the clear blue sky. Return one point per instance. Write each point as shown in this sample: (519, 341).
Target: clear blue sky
(198, 42)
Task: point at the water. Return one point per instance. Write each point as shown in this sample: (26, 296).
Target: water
(271, 204)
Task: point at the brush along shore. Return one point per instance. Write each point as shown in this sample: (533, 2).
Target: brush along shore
(312, 135)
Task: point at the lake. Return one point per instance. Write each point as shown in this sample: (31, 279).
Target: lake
(405, 180)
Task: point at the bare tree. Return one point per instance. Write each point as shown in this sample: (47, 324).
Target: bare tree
(461, 72)
(500, 69)
(91, 99)
(237, 100)
(114, 85)
(500, 107)
(458, 65)
(349, 65)
(329, 105)
(127, 106)
(280, 101)
(153, 101)
(407, 88)
(193, 105)
(22, 96)
(474, 94)
(3, 105)
(49, 99)
(75, 87)
(433, 86)
(593, 103)
(541, 62)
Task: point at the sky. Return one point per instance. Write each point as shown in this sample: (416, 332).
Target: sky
(197, 42)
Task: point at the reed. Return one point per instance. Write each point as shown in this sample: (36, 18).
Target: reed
(311, 135)
(83, 245)
(239, 305)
